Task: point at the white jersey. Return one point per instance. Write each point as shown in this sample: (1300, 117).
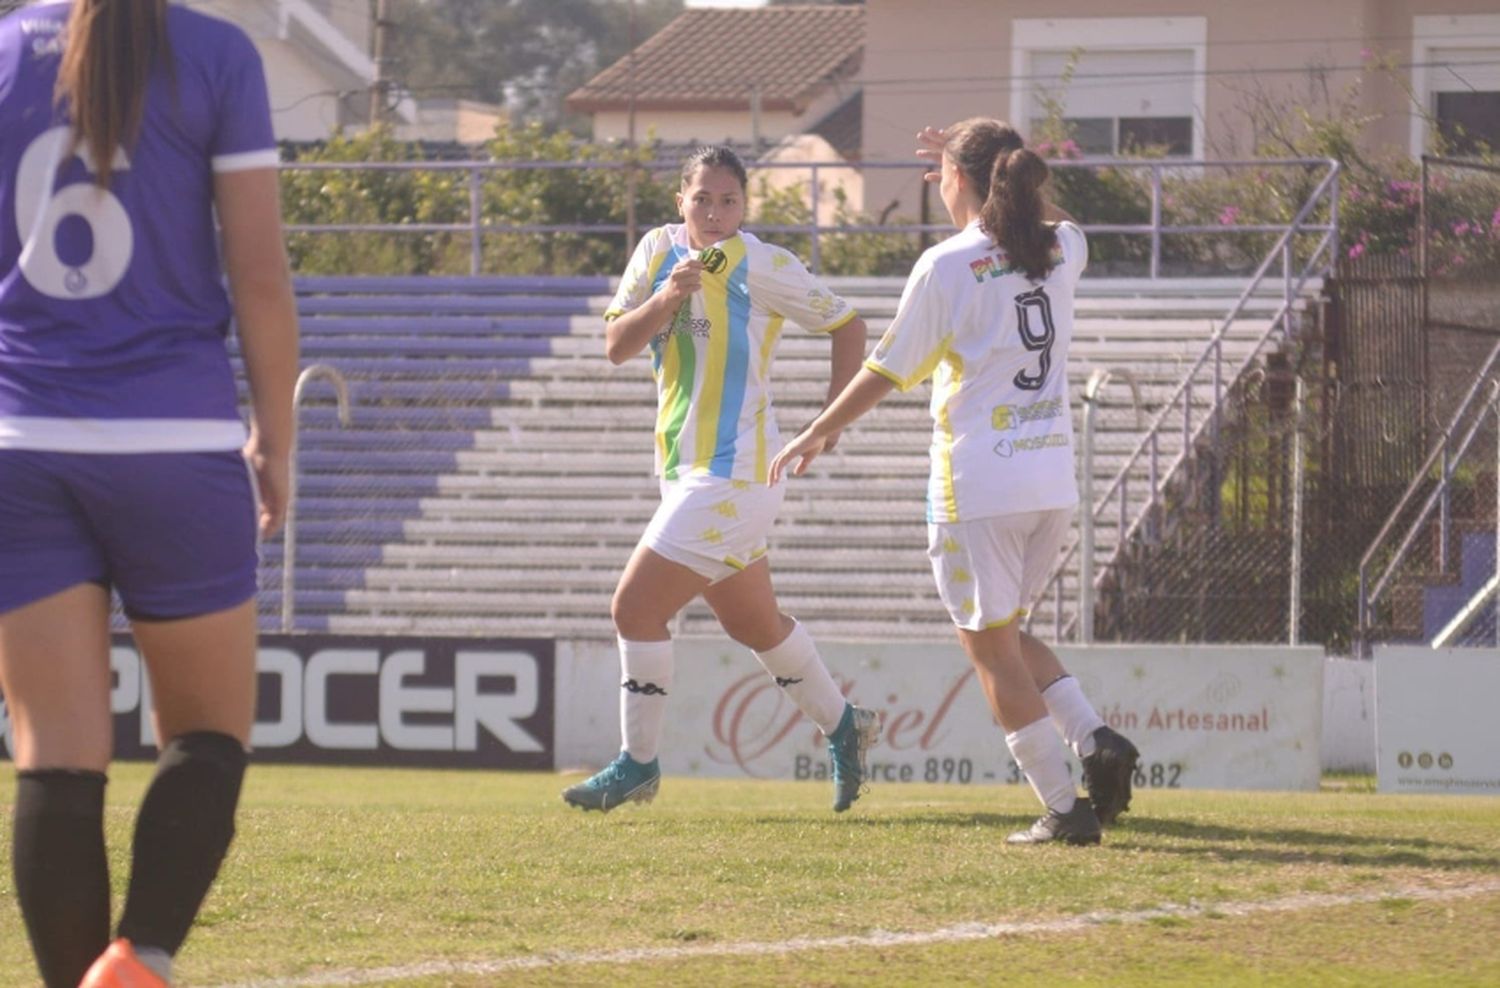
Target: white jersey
(996, 345)
(713, 362)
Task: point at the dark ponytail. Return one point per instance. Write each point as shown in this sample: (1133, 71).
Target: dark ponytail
(109, 48)
(1008, 179)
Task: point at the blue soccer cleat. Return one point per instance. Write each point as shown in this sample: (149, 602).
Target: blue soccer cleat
(858, 729)
(623, 780)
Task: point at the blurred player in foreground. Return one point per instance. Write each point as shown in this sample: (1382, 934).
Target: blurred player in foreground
(124, 126)
(988, 314)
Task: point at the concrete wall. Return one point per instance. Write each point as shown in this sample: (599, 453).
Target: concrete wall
(939, 61)
(1348, 715)
(304, 84)
(588, 704)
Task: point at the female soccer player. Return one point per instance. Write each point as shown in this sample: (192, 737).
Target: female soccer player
(988, 314)
(712, 329)
(124, 126)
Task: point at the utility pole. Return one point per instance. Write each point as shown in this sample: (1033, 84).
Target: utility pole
(630, 176)
(380, 20)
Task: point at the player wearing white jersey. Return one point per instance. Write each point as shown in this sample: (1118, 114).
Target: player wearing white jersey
(988, 315)
(126, 127)
(710, 301)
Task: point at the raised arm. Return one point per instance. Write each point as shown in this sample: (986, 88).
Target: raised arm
(930, 143)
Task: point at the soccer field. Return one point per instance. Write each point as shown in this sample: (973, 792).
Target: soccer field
(385, 877)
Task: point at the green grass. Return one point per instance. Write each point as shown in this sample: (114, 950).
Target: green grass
(363, 868)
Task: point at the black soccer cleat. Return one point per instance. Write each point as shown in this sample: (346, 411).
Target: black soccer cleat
(1077, 826)
(1107, 774)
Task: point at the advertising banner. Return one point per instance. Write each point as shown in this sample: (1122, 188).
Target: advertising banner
(378, 700)
(1203, 716)
(1435, 720)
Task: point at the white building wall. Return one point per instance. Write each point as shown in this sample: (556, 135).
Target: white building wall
(305, 81)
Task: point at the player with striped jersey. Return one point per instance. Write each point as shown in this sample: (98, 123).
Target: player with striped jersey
(710, 302)
(126, 126)
(988, 315)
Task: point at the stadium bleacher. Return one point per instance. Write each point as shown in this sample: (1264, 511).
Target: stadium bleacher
(497, 469)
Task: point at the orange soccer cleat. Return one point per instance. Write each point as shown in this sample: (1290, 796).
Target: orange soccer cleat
(118, 967)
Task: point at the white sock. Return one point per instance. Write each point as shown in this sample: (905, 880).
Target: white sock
(158, 961)
(1039, 752)
(1073, 714)
(647, 672)
(799, 670)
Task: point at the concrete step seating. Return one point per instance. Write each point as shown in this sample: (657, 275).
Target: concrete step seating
(497, 471)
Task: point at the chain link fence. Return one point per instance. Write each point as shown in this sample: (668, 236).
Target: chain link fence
(1350, 493)
(1425, 575)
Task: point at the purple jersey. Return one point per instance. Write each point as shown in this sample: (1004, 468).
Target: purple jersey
(113, 309)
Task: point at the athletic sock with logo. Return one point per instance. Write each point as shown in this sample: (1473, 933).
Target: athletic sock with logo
(1039, 752)
(647, 669)
(1073, 714)
(61, 870)
(799, 670)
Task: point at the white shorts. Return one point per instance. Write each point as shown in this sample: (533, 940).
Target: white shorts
(714, 527)
(990, 570)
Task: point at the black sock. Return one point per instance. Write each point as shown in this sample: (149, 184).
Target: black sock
(183, 831)
(62, 874)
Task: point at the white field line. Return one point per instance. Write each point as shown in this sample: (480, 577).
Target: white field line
(949, 934)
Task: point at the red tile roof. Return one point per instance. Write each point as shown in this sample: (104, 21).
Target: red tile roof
(712, 59)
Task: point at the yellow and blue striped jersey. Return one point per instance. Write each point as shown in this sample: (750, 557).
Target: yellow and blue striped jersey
(713, 363)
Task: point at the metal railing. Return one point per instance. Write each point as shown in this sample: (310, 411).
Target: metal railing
(289, 536)
(1091, 390)
(476, 227)
(1445, 457)
(1180, 407)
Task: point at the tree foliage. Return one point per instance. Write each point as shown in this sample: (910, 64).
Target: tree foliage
(525, 54)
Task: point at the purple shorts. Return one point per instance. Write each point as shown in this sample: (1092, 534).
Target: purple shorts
(173, 533)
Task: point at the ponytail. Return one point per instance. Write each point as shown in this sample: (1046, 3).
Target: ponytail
(109, 48)
(1008, 179)
(1013, 212)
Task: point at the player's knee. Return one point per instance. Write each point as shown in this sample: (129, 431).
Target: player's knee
(759, 634)
(634, 623)
(207, 762)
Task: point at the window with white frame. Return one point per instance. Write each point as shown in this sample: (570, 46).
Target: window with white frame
(1124, 83)
(1456, 77)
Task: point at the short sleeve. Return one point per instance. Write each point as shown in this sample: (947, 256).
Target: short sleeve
(243, 137)
(918, 336)
(635, 283)
(784, 286)
(1075, 247)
